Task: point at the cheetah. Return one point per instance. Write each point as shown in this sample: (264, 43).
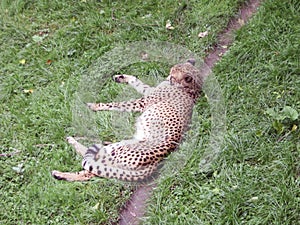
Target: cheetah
(166, 114)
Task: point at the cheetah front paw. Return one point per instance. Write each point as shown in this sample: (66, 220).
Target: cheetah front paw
(122, 78)
(71, 140)
(98, 106)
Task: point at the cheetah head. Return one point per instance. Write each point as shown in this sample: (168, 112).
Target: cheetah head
(188, 77)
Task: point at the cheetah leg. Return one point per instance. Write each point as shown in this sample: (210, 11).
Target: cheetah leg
(128, 106)
(137, 84)
(80, 149)
(130, 161)
(83, 175)
(76, 176)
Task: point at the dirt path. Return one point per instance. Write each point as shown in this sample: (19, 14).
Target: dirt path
(135, 207)
(225, 38)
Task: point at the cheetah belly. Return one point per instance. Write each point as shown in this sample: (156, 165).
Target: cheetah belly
(150, 125)
(163, 120)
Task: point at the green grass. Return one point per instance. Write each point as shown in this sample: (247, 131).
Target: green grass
(45, 47)
(256, 178)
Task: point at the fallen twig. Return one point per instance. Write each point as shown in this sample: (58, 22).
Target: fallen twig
(10, 153)
(283, 136)
(44, 145)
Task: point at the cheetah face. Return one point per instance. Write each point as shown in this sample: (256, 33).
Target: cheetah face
(187, 76)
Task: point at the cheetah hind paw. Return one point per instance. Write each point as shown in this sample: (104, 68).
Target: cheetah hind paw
(68, 176)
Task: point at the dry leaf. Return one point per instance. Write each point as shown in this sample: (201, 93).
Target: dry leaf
(22, 61)
(241, 22)
(203, 34)
(96, 206)
(294, 128)
(169, 25)
(254, 198)
(49, 62)
(28, 91)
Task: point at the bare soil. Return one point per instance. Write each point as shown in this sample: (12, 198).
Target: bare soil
(226, 37)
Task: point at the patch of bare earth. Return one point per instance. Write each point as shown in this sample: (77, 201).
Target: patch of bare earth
(135, 207)
(225, 38)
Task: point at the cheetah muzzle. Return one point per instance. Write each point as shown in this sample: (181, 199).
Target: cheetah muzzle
(166, 112)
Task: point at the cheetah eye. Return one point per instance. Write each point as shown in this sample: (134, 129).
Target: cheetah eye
(188, 79)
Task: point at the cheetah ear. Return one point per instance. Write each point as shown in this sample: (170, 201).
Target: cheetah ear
(191, 61)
